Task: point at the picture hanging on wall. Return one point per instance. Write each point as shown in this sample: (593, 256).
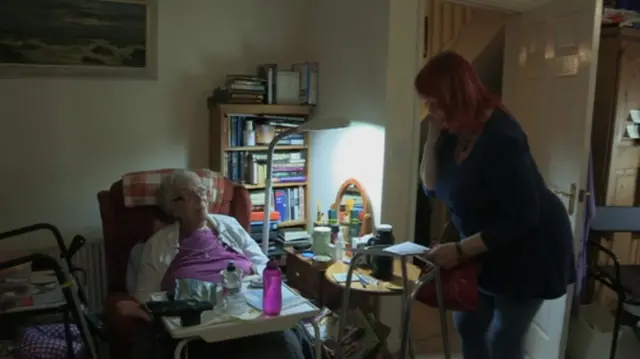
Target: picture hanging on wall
(89, 38)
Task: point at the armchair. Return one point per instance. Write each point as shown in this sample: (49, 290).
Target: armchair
(124, 227)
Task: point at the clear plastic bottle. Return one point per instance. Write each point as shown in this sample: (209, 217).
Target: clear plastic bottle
(341, 247)
(335, 229)
(249, 134)
(232, 288)
(272, 289)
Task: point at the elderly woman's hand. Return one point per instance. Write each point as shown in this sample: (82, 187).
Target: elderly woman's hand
(445, 255)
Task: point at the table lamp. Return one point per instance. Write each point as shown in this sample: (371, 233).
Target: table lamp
(309, 126)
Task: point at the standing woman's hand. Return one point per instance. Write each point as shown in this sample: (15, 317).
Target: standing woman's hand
(446, 255)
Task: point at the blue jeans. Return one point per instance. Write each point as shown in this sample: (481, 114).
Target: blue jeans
(496, 329)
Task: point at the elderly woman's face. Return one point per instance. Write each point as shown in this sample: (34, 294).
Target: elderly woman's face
(190, 202)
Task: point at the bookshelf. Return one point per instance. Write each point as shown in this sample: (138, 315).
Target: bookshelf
(247, 164)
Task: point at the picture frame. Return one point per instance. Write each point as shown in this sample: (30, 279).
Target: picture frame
(96, 39)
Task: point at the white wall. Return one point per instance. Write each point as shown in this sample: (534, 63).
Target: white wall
(349, 40)
(369, 52)
(63, 140)
(366, 76)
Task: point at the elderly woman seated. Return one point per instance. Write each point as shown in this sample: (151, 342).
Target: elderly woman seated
(199, 245)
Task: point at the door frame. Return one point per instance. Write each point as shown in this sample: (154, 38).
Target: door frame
(402, 135)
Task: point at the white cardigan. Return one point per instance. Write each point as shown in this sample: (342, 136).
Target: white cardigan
(163, 246)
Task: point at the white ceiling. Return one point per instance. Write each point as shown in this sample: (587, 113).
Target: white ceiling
(502, 5)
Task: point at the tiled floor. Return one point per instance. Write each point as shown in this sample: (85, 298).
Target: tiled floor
(426, 330)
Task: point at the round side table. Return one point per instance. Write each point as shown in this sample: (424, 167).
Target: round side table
(379, 287)
(396, 286)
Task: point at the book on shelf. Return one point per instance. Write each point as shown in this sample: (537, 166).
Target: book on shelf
(256, 228)
(251, 167)
(268, 73)
(242, 89)
(288, 204)
(255, 231)
(258, 216)
(270, 125)
(308, 82)
(293, 236)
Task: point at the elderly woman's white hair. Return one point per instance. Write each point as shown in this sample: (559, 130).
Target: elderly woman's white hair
(166, 192)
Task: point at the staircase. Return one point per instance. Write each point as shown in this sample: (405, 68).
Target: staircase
(460, 28)
(444, 23)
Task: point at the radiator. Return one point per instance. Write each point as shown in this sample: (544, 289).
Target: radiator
(90, 258)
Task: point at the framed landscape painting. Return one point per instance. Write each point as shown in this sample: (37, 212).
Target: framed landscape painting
(90, 38)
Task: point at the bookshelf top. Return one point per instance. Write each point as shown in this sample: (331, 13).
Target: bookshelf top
(264, 148)
(263, 109)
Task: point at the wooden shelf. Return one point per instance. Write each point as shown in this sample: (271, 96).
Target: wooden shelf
(220, 117)
(263, 109)
(324, 224)
(294, 223)
(276, 185)
(264, 148)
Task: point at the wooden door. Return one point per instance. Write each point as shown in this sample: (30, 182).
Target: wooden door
(549, 80)
(616, 157)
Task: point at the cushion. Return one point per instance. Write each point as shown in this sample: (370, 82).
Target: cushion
(48, 342)
(133, 266)
(139, 188)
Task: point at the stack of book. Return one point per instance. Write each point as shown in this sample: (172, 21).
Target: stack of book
(237, 125)
(287, 205)
(287, 167)
(363, 336)
(257, 223)
(293, 236)
(243, 89)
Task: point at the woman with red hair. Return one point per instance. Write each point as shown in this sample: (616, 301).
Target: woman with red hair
(477, 161)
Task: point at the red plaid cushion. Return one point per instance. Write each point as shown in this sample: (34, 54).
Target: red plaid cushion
(139, 188)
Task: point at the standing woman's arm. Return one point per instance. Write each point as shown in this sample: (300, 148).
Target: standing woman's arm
(510, 173)
(428, 167)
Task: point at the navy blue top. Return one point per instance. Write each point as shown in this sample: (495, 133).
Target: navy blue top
(498, 191)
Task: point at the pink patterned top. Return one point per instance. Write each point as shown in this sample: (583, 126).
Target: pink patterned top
(202, 255)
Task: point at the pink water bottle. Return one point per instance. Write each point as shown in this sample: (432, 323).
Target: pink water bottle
(272, 289)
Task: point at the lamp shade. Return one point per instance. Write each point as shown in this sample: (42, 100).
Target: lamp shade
(322, 124)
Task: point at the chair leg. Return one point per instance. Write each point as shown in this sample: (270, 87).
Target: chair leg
(616, 325)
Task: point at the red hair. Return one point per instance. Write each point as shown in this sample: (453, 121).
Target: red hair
(453, 83)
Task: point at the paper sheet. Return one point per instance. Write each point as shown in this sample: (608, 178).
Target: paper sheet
(342, 277)
(289, 298)
(635, 116)
(407, 249)
(633, 131)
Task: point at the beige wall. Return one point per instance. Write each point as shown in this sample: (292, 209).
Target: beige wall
(62, 140)
(351, 47)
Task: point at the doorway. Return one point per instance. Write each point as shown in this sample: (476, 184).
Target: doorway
(535, 60)
(447, 28)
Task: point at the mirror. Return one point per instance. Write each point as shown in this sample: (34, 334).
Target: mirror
(354, 208)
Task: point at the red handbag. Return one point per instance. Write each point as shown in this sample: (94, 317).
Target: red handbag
(459, 287)
(459, 284)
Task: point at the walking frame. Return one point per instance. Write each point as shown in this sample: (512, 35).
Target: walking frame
(72, 291)
(406, 345)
